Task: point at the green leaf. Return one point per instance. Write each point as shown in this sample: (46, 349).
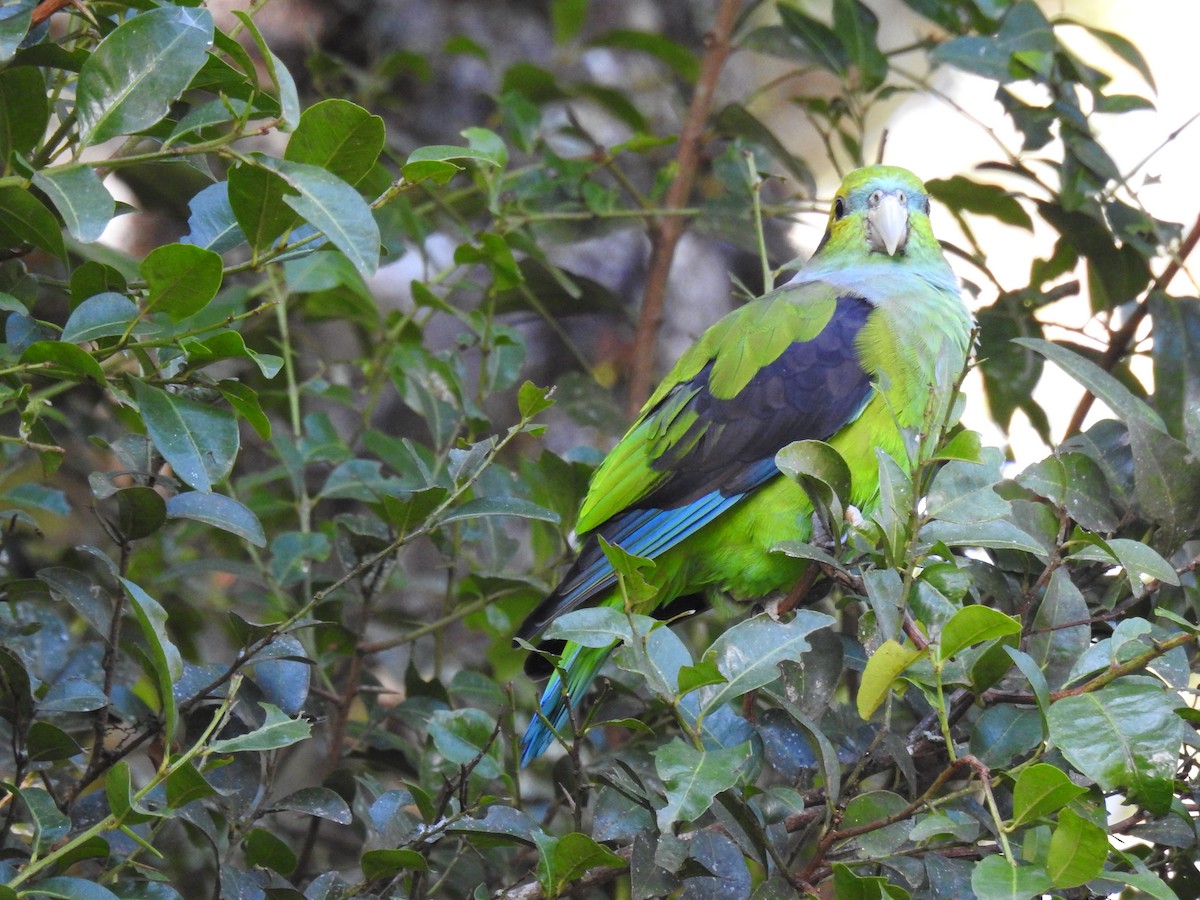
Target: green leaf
(49, 743)
(700, 675)
(599, 626)
(200, 441)
(81, 199)
(500, 506)
(1123, 47)
(440, 162)
(1123, 736)
(678, 57)
(181, 279)
(320, 802)
(873, 806)
(884, 666)
(165, 662)
(1040, 790)
(71, 889)
(105, 315)
(24, 110)
(15, 19)
(331, 206)
(141, 512)
(820, 42)
(390, 863)
(847, 885)
(749, 653)
(277, 730)
(568, 17)
(244, 401)
(262, 848)
(212, 223)
(1004, 732)
(1078, 849)
(692, 778)
(24, 220)
(1107, 389)
(570, 857)
(963, 194)
(995, 878)
(962, 492)
(461, 735)
(49, 822)
(858, 28)
(230, 345)
(973, 625)
(133, 76)
(340, 137)
(532, 399)
(281, 78)
(218, 511)
(1060, 629)
(1024, 42)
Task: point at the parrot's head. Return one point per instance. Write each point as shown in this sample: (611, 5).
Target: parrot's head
(878, 210)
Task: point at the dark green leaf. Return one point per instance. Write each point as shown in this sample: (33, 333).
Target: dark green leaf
(212, 223)
(389, 863)
(139, 69)
(692, 778)
(200, 441)
(820, 42)
(678, 57)
(278, 730)
(265, 849)
(872, 806)
(245, 402)
(1004, 732)
(499, 506)
(749, 653)
(165, 662)
(24, 220)
(230, 345)
(462, 735)
(331, 206)
(72, 889)
(1125, 735)
(105, 315)
(317, 801)
(858, 28)
(181, 279)
(1060, 630)
(80, 197)
(15, 19)
(141, 512)
(218, 511)
(340, 137)
(961, 193)
(49, 743)
(63, 357)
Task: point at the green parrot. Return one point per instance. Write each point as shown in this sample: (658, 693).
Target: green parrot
(848, 352)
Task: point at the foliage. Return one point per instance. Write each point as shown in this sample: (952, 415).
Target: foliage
(223, 545)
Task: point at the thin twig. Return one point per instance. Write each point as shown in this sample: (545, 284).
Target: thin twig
(666, 232)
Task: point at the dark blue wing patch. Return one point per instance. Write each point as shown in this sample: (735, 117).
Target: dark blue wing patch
(810, 392)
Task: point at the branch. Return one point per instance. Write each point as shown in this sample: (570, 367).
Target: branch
(46, 9)
(1123, 339)
(666, 232)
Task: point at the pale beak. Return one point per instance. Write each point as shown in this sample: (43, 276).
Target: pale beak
(887, 222)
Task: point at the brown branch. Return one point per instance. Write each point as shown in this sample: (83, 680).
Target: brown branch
(1123, 339)
(46, 9)
(666, 232)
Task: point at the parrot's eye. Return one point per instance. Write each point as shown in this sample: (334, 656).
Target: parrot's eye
(839, 208)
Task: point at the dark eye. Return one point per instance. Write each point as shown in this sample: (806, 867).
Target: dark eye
(839, 208)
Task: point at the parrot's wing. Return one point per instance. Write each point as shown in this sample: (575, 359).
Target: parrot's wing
(751, 386)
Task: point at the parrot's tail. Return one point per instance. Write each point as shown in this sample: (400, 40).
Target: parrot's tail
(580, 665)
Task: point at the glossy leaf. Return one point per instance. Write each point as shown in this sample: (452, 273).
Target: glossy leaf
(81, 199)
(166, 665)
(277, 730)
(884, 666)
(1040, 790)
(218, 511)
(105, 315)
(995, 878)
(1125, 735)
(130, 80)
(200, 441)
(24, 220)
(340, 137)
(181, 279)
(973, 625)
(692, 778)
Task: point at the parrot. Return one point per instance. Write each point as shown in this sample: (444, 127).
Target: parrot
(848, 351)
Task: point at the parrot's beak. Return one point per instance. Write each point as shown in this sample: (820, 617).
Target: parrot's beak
(887, 221)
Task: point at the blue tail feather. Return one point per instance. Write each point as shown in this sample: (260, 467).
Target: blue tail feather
(580, 665)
